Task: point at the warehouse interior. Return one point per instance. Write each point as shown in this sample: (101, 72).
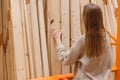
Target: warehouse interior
(28, 52)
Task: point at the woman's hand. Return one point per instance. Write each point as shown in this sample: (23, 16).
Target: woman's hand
(56, 35)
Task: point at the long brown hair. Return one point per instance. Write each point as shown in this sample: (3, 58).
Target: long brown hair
(94, 30)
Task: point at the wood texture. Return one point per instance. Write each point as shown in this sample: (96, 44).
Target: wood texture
(29, 39)
(17, 36)
(55, 16)
(65, 25)
(43, 38)
(1, 48)
(114, 4)
(112, 18)
(28, 51)
(36, 41)
(75, 20)
(94, 1)
(7, 67)
(24, 38)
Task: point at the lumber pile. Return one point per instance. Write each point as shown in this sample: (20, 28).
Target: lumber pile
(26, 49)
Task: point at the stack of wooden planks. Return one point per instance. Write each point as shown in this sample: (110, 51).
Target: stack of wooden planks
(27, 50)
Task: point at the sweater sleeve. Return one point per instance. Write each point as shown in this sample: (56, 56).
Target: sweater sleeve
(69, 57)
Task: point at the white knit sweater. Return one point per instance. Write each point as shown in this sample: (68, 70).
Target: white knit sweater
(86, 68)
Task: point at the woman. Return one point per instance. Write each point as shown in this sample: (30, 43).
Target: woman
(91, 53)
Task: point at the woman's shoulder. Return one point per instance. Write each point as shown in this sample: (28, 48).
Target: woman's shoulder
(81, 37)
(80, 40)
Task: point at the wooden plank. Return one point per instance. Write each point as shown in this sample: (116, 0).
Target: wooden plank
(44, 4)
(1, 49)
(0, 19)
(2, 64)
(11, 54)
(0, 23)
(113, 25)
(112, 18)
(115, 8)
(43, 38)
(8, 57)
(82, 4)
(48, 36)
(36, 41)
(26, 53)
(19, 53)
(65, 25)
(94, 1)
(114, 4)
(22, 2)
(107, 20)
(4, 18)
(54, 8)
(6, 46)
(29, 41)
(8, 61)
(5, 35)
(6, 49)
(75, 21)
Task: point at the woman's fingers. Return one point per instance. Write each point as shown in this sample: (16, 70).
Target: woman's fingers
(52, 30)
(60, 32)
(55, 33)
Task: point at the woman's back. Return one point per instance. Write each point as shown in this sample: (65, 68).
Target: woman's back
(94, 68)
